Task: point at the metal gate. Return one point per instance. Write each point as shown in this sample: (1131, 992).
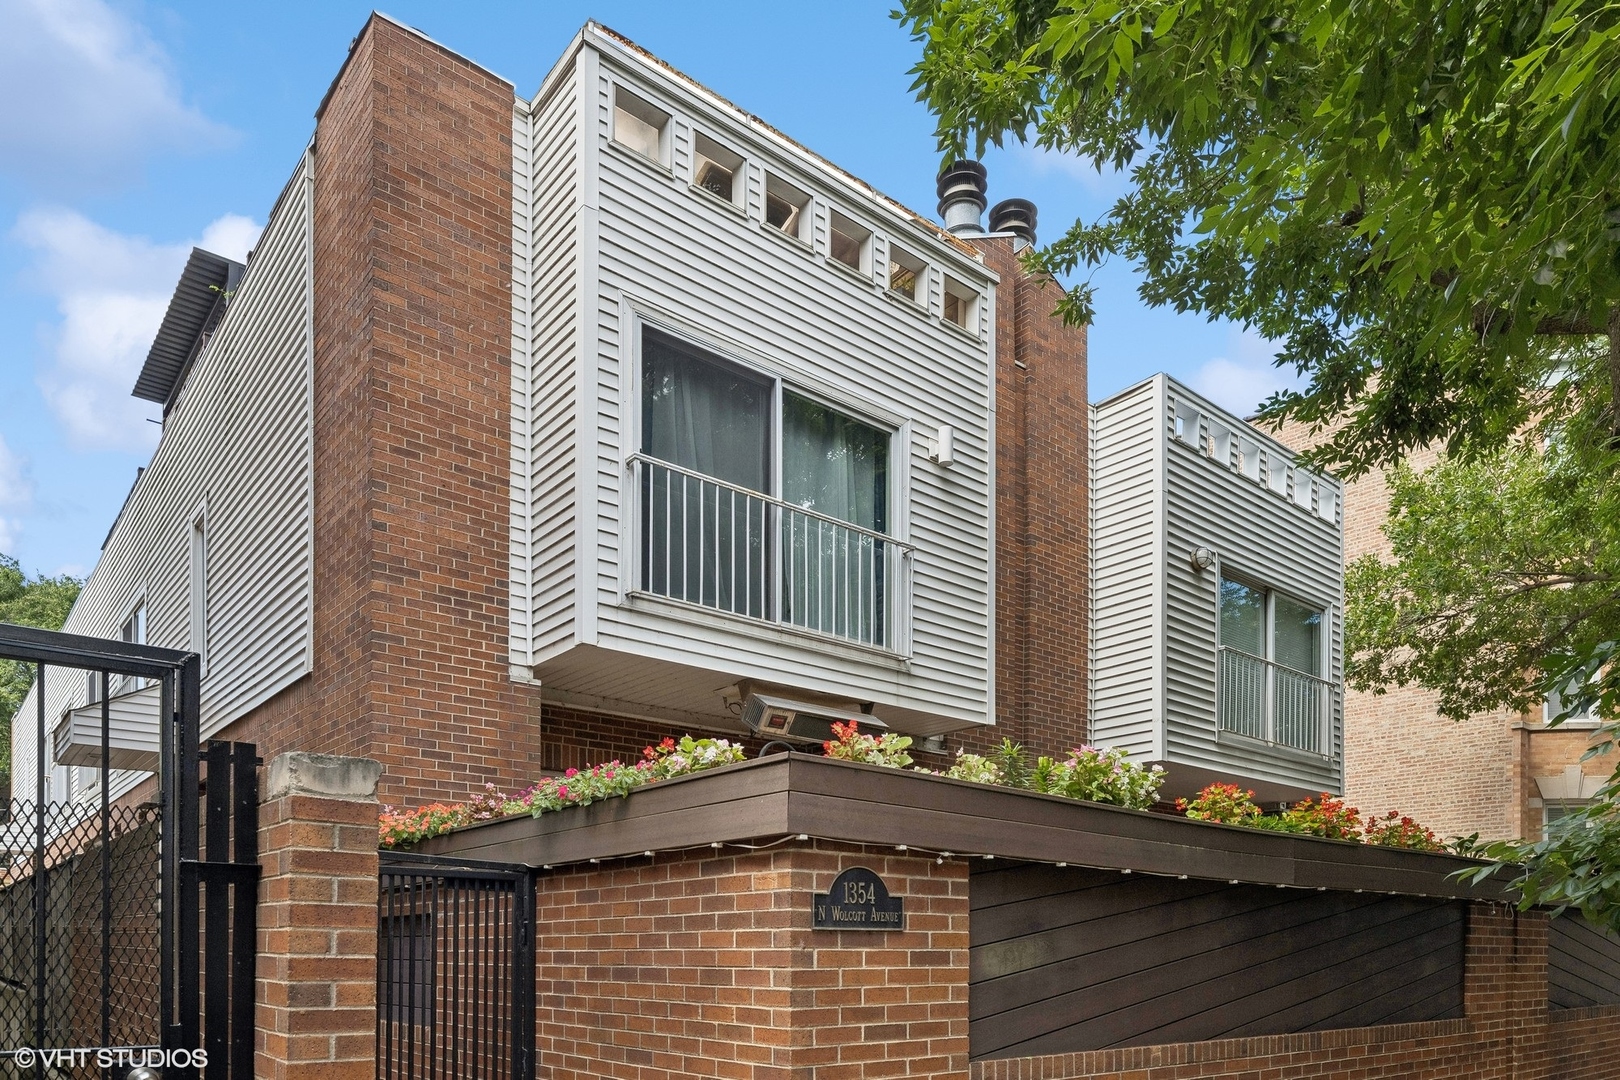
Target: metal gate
(455, 969)
(101, 946)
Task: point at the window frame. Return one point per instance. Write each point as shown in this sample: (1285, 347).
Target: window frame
(868, 242)
(646, 104)
(1326, 675)
(739, 172)
(636, 319)
(969, 297)
(916, 265)
(806, 231)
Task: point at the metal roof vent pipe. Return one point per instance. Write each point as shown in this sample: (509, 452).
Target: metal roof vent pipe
(961, 197)
(1016, 216)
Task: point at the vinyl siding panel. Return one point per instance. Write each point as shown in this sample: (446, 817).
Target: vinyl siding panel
(1259, 536)
(1126, 650)
(248, 391)
(548, 374)
(669, 254)
(1157, 496)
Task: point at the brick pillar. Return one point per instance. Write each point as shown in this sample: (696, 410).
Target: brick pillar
(317, 993)
(1505, 987)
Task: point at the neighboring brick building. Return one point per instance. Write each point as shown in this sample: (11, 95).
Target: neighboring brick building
(1498, 774)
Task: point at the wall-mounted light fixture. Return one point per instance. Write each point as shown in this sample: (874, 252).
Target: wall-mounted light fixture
(1202, 558)
(944, 451)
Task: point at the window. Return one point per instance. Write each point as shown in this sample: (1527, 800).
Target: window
(639, 125)
(787, 208)
(199, 590)
(848, 243)
(961, 305)
(717, 170)
(1557, 811)
(908, 275)
(717, 531)
(1576, 702)
(1270, 667)
(134, 632)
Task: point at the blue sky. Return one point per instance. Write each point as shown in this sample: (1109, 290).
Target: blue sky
(134, 130)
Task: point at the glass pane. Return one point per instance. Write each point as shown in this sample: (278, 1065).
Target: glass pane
(702, 414)
(702, 541)
(833, 578)
(1243, 617)
(1297, 635)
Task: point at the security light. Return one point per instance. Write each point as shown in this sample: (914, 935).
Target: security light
(799, 721)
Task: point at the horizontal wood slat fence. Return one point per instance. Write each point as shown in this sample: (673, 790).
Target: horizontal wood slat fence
(1066, 959)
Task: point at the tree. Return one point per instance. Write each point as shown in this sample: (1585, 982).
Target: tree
(1420, 202)
(43, 602)
(1405, 194)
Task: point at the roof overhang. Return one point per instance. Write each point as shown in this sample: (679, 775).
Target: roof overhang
(198, 303)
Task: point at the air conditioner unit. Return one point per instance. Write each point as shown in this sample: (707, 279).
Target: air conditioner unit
(800, 721)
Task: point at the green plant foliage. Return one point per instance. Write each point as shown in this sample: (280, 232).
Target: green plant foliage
(1097, 775)
(1225, 803)
(42, 602)
(850, 744)
(575, 787)
(1405, 196)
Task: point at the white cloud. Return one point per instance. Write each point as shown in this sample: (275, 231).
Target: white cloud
(1105, 183)
(1246, 376)
(16, 493)
(88, 96)
(111, 290)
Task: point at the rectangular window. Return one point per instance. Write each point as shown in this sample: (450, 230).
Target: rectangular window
(1576, 702)
(908, 275)
(787, 208)
(849, 243)
(716, 531)
(717, 170)
(134, 632)
(639, 125)
(1270, 667)
(961, 305)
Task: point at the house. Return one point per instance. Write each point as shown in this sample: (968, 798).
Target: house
(537, 429)
(1501, 774)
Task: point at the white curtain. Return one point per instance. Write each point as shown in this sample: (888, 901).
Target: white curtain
(704, 542)
(833, 577)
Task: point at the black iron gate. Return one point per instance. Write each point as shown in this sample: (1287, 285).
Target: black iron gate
(101, 946)
(455, 969)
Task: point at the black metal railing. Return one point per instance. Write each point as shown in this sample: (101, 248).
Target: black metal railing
(455, 969)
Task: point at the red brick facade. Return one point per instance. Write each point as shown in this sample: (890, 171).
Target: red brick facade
(1042, 516)
(704, 964)
(413, 225)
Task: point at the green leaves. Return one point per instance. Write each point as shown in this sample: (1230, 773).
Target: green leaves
(43, 602)
(1375, 186)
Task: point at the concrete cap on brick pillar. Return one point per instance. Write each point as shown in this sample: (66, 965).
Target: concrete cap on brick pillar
(324, 776)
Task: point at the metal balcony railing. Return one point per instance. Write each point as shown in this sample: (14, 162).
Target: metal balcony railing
(1266, 700)
(708, 542)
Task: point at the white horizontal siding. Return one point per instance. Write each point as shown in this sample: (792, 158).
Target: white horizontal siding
(1259, 536)
(660, 248)
(237, 447)
(551, 372)
(1126, 552)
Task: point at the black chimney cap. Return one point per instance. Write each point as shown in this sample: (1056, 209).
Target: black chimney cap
(1016, 216)
(963, 179)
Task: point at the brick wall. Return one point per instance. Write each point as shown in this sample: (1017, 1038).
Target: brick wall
(317, 971)
(1457, 778)
(704, 964)
(1042, 516)
(413, 224)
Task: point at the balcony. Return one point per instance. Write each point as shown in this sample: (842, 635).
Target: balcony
(718, 545)
(1262, 699)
